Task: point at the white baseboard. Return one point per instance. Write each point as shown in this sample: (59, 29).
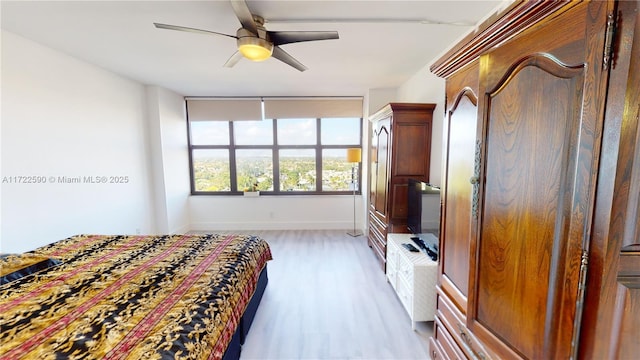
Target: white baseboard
(271, 225)
(183, 229)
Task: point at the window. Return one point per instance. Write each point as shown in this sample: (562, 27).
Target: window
(297, 170)
(254, 169)
(211, 170)
(275, 156)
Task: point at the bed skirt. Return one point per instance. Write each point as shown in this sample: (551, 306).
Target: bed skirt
(239, 337)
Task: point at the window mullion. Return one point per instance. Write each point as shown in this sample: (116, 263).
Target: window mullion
(318, 156)
(276, 158)
(232, 159)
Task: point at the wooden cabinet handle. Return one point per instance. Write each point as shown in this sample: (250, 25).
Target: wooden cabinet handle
(475, 180)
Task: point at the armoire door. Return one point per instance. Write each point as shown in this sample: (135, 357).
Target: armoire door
(461, 127)
(542, 132)
(380, 178)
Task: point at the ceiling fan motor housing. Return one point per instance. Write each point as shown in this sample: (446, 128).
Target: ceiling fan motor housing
(253, 47)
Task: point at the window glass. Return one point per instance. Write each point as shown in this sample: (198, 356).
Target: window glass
(296, 131)
(340, 131)
(336, 172)
(211, 170)
(254, 169)
(253, 132)
(274, 156)
(209, 132)
(297, 170)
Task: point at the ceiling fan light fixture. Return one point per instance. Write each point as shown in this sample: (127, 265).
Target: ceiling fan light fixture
(254, 48)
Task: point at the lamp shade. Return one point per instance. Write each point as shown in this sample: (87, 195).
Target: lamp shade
(354, 155)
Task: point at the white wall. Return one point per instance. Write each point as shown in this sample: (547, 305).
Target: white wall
(274, 212)
(380, 97)
(167, 138)
(63, 118)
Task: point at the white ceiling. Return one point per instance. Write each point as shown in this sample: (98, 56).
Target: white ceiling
(381, 45)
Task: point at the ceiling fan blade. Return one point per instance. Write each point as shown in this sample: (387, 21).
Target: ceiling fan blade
(287, 37)
(244, 15)
(283, 56)
(188, 29)
(233, 59)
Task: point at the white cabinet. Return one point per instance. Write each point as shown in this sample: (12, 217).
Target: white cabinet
(413, 276)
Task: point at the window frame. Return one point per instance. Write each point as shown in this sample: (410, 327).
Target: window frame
(275, 147)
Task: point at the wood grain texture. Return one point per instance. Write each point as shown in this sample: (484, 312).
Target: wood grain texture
(462, 127)
(613, 315)
(524, 234)
(328, 299)
(541, 150)
(560, 184)
(538, 166)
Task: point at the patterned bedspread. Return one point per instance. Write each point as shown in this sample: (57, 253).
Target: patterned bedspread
(133, 297)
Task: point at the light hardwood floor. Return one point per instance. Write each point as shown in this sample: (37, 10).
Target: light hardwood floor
(327, 298)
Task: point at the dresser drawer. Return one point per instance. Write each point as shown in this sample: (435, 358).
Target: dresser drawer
(392, 278)
(405, 293)
(405, 270)
(434, 350)
(392, 265)
(453, 320)
(393, 254)
(378, 239)
(378, 228)
(443, 344)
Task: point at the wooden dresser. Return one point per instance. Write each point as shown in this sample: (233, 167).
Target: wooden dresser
(400, 150)
(540, 228)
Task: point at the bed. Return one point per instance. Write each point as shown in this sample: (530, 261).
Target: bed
(132, 297)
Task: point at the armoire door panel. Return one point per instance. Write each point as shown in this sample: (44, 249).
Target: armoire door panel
(531, 155)
(538, 176)
(460, 163)
(399, 209)
(416, 139)
(373, 168)
(382, 168)
(542, 133)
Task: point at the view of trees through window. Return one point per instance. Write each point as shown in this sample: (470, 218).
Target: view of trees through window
(274, 156)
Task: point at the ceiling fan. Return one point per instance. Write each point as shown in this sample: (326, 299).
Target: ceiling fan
(257, 43)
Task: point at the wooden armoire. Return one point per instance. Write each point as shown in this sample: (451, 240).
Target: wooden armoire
(540, 226)
(400, 150)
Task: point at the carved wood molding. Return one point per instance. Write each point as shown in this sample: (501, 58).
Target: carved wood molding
(498, 28)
